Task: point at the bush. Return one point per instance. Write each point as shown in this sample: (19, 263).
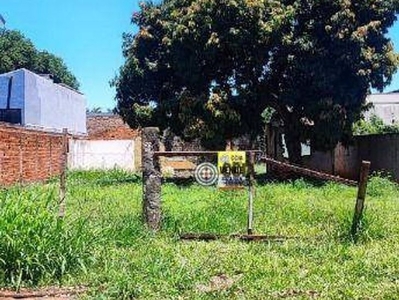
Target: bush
(374, 126)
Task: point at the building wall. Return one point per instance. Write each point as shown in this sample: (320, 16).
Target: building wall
(32, 113)
(28, 155)
(53, 106)
(385, 106)
(17, 91)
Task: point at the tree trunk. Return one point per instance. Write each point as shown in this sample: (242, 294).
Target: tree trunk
(293, 144)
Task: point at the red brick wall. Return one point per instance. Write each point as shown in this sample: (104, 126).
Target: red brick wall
(109, 127)
(28, 155)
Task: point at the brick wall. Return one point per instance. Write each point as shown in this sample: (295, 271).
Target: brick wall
(28, 155)
(109, 127)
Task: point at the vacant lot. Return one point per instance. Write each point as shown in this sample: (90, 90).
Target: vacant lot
(103, 246)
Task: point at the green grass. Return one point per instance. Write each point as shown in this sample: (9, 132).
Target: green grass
(103, 244)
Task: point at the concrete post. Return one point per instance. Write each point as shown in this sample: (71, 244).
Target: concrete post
(151, 178)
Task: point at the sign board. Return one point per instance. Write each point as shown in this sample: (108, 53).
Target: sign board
(232, 169)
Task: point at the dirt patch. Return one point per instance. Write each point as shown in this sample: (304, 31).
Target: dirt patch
(219, 283)
(292, 293)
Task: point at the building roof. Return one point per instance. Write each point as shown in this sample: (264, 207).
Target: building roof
(45, 76)
(384, 98)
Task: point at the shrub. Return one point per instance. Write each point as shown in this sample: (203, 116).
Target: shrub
(374, 126)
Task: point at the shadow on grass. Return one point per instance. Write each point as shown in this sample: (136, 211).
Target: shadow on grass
(261, 179)
(102, 178)
(180, 181)
(267, 178)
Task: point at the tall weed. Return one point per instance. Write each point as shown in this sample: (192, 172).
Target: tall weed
(381, 185)
(35, 244)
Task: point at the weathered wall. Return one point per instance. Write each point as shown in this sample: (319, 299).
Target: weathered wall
(89, 154)
(320, 161)
(112, 142)
(347, 161)
(28, 155)
(382, 150)
(109, 127)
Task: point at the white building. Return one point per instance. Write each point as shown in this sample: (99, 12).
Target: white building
(385, 106)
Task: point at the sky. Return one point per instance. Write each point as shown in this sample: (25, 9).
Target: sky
(87, 35)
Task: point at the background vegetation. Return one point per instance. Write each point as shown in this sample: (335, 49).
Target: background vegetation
(17, 51)
(103, 245)
(374, 126)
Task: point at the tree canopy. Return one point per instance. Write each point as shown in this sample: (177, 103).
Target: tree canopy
(16, 51)
(208, 69)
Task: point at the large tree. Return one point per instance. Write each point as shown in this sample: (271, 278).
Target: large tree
(16, 51)
(321, 74)
(208, 68)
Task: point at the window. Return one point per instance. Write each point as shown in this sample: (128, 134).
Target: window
(11, 115)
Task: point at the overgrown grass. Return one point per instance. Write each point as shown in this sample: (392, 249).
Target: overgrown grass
(36, 246)
(103, 244)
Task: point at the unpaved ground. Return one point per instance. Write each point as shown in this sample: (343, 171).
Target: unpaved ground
(40, 298)
(51, 293)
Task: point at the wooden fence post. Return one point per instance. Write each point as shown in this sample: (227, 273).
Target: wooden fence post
(64, 157)
(361, 196)
(151, 178)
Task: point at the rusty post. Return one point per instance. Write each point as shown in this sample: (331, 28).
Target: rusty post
(361, 196)
(21, 160)
(64, 157)
(151, 178)
(251, 186)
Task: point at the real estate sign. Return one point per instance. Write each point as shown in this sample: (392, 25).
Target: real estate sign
(232, 169)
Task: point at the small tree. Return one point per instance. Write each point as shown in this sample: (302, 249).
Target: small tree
(323, 69)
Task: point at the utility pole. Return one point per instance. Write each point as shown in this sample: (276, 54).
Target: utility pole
(2, 21)
(2, 25)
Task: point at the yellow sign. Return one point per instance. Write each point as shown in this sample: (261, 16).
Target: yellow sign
(232, 169)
